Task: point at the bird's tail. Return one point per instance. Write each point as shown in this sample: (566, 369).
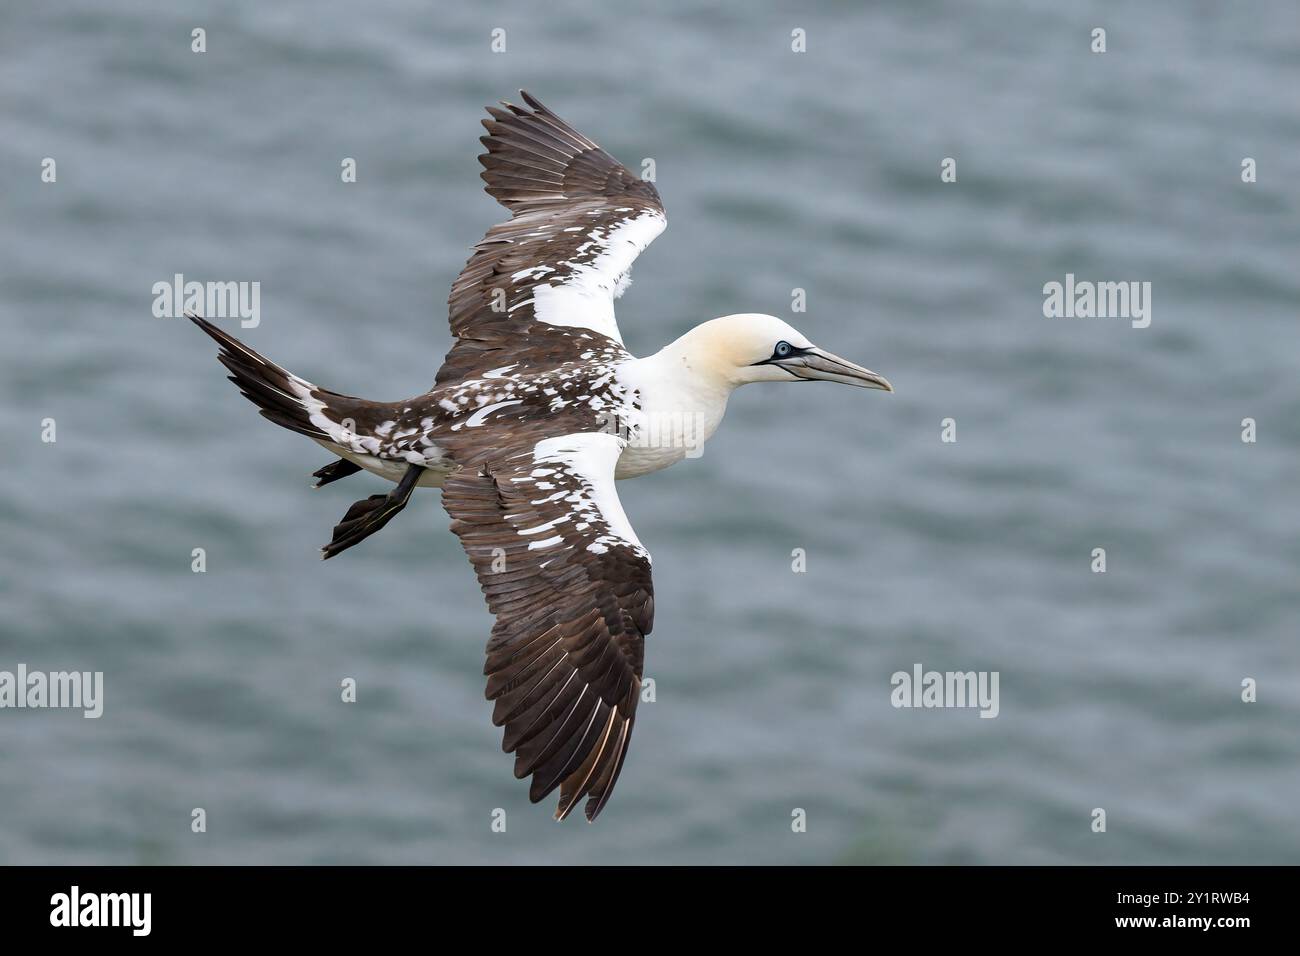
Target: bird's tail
(284, 398)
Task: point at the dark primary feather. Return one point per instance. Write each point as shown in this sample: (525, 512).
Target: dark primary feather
(537, 158)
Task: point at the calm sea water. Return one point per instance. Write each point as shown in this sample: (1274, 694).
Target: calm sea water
(817, 171)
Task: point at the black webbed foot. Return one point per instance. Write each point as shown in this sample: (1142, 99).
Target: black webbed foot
(367, 516)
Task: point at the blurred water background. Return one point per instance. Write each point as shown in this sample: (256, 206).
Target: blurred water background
(779, 170)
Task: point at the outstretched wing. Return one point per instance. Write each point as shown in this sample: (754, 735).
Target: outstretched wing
(546, 279)
(569, 584)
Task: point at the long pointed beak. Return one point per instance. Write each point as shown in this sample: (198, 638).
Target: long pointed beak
(816, 364)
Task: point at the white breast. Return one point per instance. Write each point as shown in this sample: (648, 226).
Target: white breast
(676, 416)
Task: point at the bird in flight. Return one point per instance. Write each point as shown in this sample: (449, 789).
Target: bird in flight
(538, 408)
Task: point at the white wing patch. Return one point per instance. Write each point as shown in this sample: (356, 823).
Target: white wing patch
(597, 275)
(583, 464)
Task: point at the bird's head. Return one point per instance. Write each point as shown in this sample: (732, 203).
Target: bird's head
(750, 347)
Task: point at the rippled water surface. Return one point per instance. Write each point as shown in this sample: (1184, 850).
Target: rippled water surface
(817, 171)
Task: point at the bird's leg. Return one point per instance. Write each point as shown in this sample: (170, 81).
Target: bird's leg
(334, 471)
(367, 516)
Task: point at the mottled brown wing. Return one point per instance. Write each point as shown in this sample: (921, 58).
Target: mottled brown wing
(569, 584)
(548, 277)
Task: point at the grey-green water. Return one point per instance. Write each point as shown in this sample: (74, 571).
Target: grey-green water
(779, 170)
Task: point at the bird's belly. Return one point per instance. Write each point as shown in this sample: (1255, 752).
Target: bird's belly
(663, 434)
(637, 461)
(392, 469)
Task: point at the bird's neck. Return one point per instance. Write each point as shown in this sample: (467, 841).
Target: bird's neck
(682, 383)
(700, 360)
(687, 371)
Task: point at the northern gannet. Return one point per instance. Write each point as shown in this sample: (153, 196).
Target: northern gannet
(536, 410)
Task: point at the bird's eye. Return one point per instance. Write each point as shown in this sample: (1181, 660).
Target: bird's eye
(783, 350)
